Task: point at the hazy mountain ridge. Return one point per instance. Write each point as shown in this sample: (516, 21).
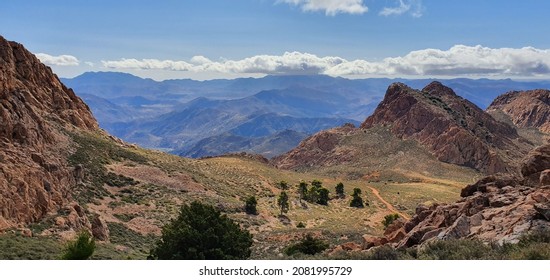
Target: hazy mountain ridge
(176, 114)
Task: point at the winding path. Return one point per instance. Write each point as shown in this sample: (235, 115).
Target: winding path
(388, 205)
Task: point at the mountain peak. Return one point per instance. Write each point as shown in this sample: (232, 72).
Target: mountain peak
(436, 88)
(453, 129)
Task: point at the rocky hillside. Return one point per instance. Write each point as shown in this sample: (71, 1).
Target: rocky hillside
(449, 127)
(525, 109)
(35, 111)
(495, 209)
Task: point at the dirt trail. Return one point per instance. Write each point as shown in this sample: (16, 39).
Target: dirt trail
(388, 205)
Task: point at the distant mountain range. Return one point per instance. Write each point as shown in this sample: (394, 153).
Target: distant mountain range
(246, 114)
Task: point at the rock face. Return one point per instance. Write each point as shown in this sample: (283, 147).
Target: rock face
(35, 109)
(452, 128)
(525, 108)
(319, 149)
(449, 127)
(493, 209)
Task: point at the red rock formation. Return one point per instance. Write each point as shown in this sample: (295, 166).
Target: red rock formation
(525, 108)
(449, 127)
(452, 128)
(493, 209)
(35, 107)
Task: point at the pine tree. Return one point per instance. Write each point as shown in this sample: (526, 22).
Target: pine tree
(340, 190)
(250, 205)
(201, 232)
(282, 202)
(357, 201)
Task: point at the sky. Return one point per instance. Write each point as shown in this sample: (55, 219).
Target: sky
(210, 39)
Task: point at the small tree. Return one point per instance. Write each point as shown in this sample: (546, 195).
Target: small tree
(283, 185)
(340, 190)
(302, 190)
(316, 183)
(282, 202)
(250, 205)
(309, 245)
(81, 248)
(201, 232)
(313, 194)
(323, 196)
(356, 201)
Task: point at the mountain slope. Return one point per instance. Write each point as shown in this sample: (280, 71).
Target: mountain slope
(454, 129)
(449, 127)
(260, 115)
(35, 109)
(526, 109)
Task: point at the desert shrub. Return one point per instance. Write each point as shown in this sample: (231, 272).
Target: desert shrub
(17, 247)
(385, 252)
(308, 245)
(201, 232)
(389, 219)
(250, 205)
(300, 225)
(81, 248)
(455, 249)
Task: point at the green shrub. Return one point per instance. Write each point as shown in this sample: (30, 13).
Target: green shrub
(389, 219)
(250, 205)
(282, 202)
(301, 225)
(340, 190)
(308, 245)
(201, 232)
(356, 201)
(81, 248)
(455, 249)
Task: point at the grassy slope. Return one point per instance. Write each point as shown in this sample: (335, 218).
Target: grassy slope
(137, 191)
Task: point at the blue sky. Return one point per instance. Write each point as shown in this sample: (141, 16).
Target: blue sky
(238, 38)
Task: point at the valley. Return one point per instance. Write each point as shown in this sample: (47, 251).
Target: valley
(430, 161)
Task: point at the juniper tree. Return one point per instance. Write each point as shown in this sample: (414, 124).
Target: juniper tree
(340, 190)
(282, 202)
(357, 201)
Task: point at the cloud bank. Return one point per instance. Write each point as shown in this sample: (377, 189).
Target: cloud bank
(413, 7)
(459, 60)
(330, 7)
(61, 60)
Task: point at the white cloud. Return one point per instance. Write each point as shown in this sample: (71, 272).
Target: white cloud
(147, 64)
(413, 7)
(459, 60)
(61, 60)
(330, 7)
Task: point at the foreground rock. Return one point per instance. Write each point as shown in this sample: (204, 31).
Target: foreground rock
(496, 208)
(36, 110)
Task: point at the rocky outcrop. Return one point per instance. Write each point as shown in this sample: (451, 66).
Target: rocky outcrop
(449, 127)
(35, 110)
(525, 108)
(452, 128)
(322, 148)
(500, 209)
